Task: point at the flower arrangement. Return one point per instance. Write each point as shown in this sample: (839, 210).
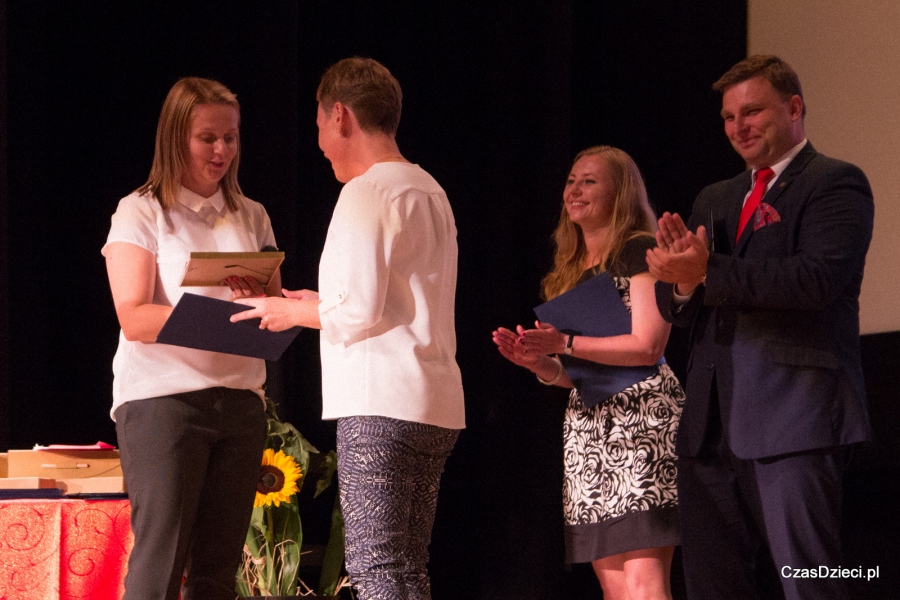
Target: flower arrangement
(272, 550)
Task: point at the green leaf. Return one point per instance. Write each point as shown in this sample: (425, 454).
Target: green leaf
(289, 565)
(257, 519)
(251, 544)
(302, 458)
(288, 536)
(329, 466)
(334, 553)
(254, 562)
(241, 586)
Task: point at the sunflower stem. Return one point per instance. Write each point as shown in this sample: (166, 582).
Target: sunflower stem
(270, 548)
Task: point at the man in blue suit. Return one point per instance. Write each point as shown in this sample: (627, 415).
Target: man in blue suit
(767, 275)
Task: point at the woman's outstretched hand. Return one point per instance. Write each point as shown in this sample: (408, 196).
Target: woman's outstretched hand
(274, 314)
(509, 346)
(301, 294)
(296, 308)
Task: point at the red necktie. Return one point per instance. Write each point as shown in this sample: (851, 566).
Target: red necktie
(763, 176)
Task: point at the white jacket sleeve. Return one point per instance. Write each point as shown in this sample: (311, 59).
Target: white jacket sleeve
(356, 262)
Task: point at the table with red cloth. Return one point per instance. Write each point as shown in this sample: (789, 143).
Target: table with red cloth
(66, 549)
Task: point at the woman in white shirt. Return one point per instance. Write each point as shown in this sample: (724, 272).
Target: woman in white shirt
(190, 423)
(387, 283)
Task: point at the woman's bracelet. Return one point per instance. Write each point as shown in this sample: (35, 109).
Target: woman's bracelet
(559, 372)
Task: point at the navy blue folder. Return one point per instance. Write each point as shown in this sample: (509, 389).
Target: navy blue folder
(593, 308)
(204, 323)
(41, 493)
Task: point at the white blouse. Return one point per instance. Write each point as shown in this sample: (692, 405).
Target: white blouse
(387, 284)
(147, 370)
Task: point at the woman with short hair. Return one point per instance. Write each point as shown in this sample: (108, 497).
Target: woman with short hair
(385, 305)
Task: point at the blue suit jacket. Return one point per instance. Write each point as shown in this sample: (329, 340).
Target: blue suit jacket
(776, 325)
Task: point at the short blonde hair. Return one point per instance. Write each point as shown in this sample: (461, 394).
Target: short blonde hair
(170, 153)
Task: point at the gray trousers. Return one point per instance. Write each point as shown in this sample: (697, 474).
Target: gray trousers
(389, 474)
(191, 463)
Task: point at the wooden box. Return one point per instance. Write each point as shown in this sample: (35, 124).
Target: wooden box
(64, 464)
(26, 483)
(92, 485)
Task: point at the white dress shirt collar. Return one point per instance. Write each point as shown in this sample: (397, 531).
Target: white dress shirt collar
(782, 164)
(195, 202)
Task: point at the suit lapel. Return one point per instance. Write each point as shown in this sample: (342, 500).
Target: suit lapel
(794, 168)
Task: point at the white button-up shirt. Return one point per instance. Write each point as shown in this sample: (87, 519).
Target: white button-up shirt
(147, 370)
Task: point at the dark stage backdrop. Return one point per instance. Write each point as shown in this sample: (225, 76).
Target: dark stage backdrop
(498, 96)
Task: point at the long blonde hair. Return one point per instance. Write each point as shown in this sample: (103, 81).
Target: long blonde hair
(632, 217)
(169, 155)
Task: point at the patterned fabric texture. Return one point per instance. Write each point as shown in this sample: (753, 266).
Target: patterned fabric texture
(389, 475)
(619, 464)
(765, 215)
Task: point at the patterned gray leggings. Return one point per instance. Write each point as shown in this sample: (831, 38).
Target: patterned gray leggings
(389, 473)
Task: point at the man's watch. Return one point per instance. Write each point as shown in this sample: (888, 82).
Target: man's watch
(568, 348)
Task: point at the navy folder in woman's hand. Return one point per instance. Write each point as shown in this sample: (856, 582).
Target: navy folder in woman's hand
(205, 324)
(593, 308)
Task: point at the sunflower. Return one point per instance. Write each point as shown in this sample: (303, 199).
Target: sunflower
(277, 479)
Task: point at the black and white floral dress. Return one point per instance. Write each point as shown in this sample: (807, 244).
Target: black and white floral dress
(619, 485)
